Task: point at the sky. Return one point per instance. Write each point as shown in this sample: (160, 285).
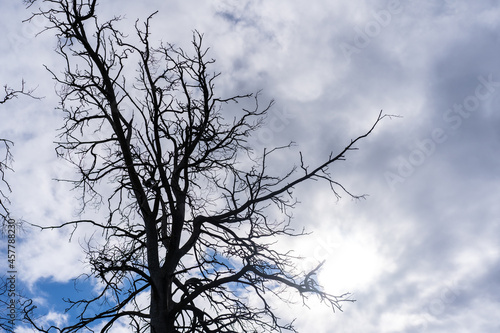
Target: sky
(421, 252)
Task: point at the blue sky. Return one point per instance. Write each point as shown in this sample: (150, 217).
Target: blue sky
(422, 252)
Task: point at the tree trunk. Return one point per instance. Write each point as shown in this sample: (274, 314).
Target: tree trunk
(161, 306)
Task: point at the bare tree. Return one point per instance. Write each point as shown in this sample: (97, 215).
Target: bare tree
(6, 157)
(6, 146)
(11, 301)
(6, 322)
(5, 164)
(188, 212)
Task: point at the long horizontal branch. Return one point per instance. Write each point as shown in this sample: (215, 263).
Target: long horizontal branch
(308, 175)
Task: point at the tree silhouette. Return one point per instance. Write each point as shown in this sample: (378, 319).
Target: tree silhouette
(10, 300)
(5, 165)
(188, 201)
(6, 157)
(6, 145)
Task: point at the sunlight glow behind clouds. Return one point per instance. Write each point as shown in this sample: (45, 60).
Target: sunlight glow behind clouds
(354, 266)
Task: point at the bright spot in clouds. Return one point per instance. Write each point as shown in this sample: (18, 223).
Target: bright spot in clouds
(354, 265)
